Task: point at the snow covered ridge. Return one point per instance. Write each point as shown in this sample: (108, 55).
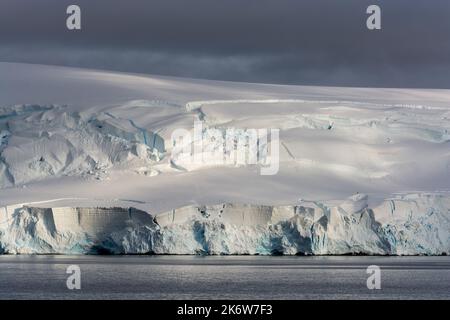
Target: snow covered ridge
(196, 105)
(414, 224)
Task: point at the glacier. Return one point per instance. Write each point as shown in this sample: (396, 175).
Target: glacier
(99, 144)
(412, 224)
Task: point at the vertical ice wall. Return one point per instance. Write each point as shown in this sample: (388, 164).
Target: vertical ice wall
(402, 225)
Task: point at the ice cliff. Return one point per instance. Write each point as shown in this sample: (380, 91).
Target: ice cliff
(415, 224)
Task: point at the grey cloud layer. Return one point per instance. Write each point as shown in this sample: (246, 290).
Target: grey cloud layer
(321, 42)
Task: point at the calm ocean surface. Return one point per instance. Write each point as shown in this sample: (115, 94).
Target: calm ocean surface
(223, 277)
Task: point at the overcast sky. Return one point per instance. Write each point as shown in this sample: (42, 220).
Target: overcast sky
(317, 42)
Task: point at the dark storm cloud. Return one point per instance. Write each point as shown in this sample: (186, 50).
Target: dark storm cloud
(283, 41)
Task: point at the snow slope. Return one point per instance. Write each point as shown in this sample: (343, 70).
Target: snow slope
(98, 143)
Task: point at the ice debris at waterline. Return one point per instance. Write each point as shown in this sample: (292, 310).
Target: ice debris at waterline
(414, 224)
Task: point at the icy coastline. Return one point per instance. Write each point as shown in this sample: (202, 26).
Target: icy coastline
(415, 224)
